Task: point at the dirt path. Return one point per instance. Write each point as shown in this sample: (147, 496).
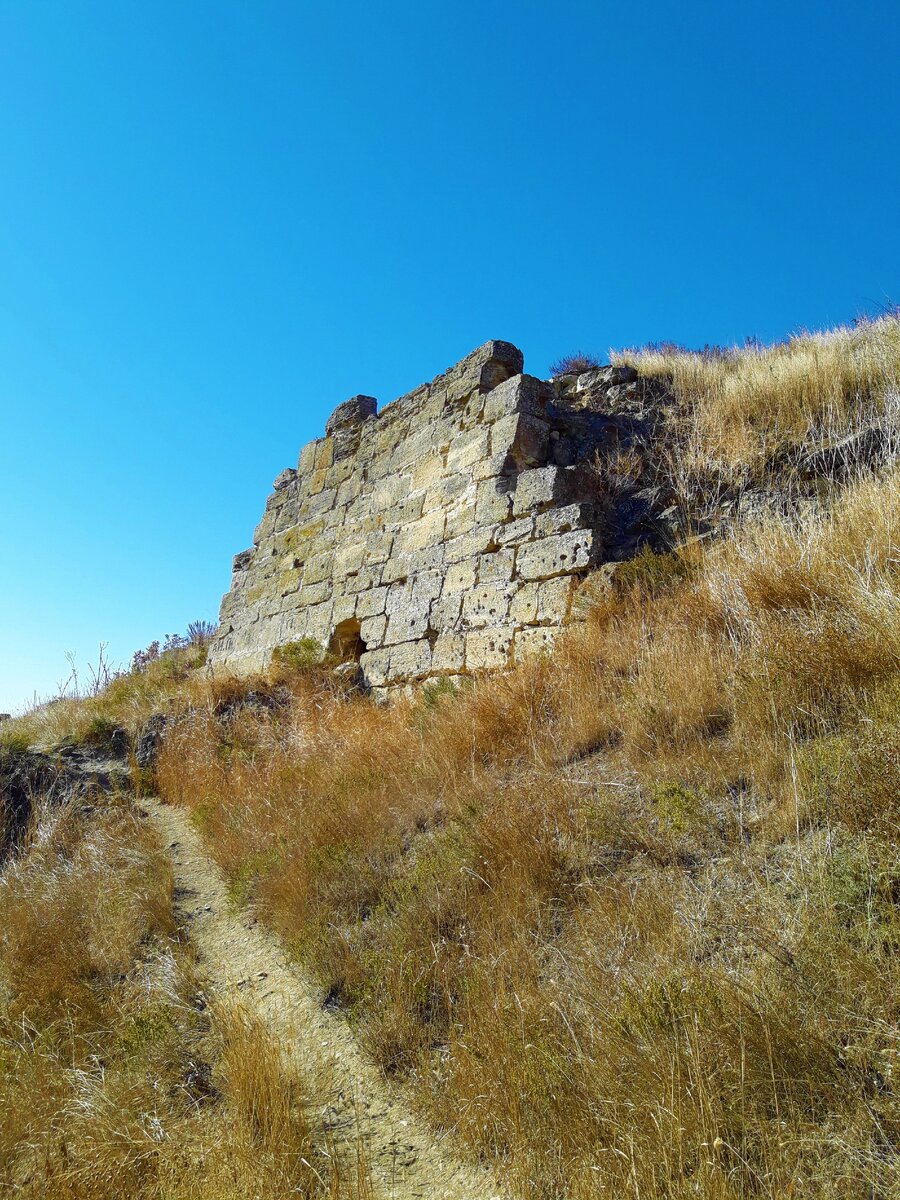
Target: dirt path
(358, 1108)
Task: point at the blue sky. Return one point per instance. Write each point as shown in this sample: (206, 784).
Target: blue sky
(218, 220)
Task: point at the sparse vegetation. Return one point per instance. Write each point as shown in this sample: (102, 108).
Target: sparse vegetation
(574, 364)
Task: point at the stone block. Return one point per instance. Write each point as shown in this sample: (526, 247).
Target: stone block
(487, 604)
(318, 567)
(538, 639)
(375, 665)
(427, 531)
(469, 545)
(410, 660)
(407, 618)
(372, 629)
(489, 648)
(449, 652)
(496, 566)
(522, 394)
(564, 520)
(460, 518)
(514, 533)
(522, 438)
(460, 576)
(535, 488)
(446, 610)
(558, 555)
(493, 501)
(467, 449)
(371, 603)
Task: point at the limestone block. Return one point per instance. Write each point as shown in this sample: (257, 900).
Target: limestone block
(495, 464)
(523, 607)
(493, 501)
(348, 557)
(428, 471)
(446, 610)
(306, 463)
(522, 437)
(554, 599)
(349, 490)
(407, 509)
(564, 520)
(468, 545)
(364, 580)
(343, 607)
(372, 629)
(521, 394)
(397, 569)
(427, 531)
(378, 548)
(285, 479)
(264, 529)
(314, 593)
(344, 426)
(449, 652)
(375, 665)
(557, 555)
(496, 566)
(415, 449)
(318, 621)
(488, 648)
(468, 449)
(410, 660)
(538, 639)
(371, 603)
(318, 567)
(460, 576)
(445, 491)
(460, 520)
(319, 502)
(407, 617)
(487, 604)
(390, 491)
(535, 488)
(514, 533)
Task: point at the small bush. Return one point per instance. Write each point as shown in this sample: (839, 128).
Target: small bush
(574, 364)
(298, 656)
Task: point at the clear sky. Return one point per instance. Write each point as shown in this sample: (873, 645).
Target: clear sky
(219, 219)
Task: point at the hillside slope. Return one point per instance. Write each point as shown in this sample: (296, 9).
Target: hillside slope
(622, 921)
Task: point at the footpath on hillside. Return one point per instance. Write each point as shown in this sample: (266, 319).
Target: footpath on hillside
(365, 1118)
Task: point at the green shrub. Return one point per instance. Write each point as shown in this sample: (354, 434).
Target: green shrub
(299, 655)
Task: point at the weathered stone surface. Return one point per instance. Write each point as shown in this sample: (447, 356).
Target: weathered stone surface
(448, 530)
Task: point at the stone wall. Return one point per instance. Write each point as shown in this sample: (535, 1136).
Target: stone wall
(441, 536)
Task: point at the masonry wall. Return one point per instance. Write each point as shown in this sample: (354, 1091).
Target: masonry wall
(443, 535)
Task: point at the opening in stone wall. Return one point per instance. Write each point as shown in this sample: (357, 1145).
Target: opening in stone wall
(346, 642)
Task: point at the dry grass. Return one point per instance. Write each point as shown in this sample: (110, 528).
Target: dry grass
(742, 407)
(115, 1079)
(625, 916)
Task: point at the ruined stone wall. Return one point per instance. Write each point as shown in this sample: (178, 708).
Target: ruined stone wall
(443, 535)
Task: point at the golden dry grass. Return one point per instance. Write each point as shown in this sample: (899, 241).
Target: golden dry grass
(627, 915)
(115, 1079)
(742, 406)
